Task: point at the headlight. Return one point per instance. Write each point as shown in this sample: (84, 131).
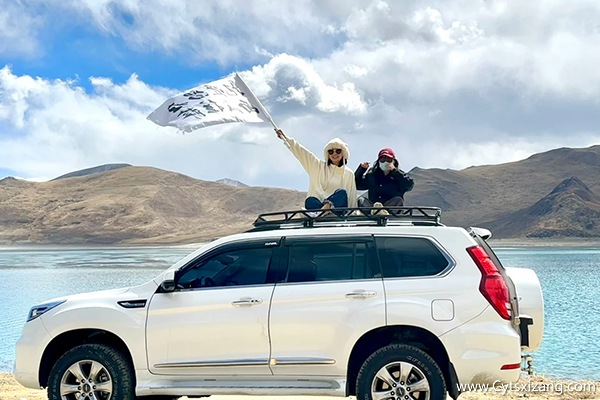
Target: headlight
(38, 310)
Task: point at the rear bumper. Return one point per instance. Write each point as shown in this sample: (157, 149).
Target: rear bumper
(480, 348)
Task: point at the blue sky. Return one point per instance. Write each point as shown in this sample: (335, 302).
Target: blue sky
(80, 51)
(446, 84)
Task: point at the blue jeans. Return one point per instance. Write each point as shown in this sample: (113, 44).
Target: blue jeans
(339, 198)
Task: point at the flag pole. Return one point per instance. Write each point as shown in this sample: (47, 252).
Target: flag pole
(254, 100)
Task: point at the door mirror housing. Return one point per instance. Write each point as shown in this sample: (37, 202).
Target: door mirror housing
(168, 283)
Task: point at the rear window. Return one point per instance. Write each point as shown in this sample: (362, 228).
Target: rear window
(402, 257)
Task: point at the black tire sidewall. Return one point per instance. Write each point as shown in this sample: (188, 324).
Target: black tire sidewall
(400, 353)
(114, 362)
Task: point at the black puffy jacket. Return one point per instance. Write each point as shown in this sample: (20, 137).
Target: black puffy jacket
(383, 187)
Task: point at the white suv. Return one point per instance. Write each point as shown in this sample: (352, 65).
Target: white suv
(393, 306)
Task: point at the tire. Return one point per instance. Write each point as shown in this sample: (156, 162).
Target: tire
(91, 369)
(414, 373)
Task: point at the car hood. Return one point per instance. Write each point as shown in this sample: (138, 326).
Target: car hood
(144, 290)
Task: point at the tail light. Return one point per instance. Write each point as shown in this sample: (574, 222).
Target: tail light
(492, 285)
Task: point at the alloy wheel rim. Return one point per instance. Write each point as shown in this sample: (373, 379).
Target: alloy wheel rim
(86, 380)
(400, 381)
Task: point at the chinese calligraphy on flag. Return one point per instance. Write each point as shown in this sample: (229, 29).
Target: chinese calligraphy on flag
(218, 102)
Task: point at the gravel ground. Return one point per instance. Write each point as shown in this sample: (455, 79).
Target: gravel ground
(536, 388)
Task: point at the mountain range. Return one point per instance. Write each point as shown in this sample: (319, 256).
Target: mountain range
(508, 198)
(553, 194)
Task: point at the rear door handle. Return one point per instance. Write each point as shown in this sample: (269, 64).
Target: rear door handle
(246, 301)
(361, 294)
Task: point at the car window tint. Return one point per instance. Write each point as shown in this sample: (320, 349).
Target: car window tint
(404, 257)
(309, 262)
(233, 268)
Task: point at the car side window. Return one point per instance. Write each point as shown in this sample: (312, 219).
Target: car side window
(240, 267)
(314, 262)
(405, 257)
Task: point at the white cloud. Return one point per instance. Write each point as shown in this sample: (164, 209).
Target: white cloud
(59, 127)
(292, 79)
(19, 30)
(224, 30)
(447, 84)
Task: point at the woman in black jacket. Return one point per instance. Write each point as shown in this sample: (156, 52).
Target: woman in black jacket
(385, 182)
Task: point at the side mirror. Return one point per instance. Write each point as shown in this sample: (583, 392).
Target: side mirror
(168, 283)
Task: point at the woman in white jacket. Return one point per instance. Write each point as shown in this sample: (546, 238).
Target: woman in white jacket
(331, 183)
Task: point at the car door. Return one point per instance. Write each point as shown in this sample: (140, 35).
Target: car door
(332, 293)
(216, 320)
(417, 290)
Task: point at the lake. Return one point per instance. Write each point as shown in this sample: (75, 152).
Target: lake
(569, 276)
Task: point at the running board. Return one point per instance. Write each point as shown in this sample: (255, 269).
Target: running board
(282, 387)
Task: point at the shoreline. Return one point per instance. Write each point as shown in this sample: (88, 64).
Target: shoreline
(537, 388)
(550, 242)
(516, 242)
(85, 246)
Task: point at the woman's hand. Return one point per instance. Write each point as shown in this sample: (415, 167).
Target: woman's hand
(389, 168)
(280, 134)
(365, 165)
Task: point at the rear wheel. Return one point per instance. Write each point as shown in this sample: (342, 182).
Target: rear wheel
(91, 372)
(400, 372)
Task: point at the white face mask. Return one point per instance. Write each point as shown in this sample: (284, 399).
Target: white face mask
(383, 165)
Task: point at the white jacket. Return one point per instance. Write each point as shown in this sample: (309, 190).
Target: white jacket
(324, 178)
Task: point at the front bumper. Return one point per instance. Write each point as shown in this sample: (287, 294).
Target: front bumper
(29, 350)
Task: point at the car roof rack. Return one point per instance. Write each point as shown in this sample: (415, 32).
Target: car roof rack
(379, 216)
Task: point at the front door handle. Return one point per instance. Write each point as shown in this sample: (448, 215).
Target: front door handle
(361, 294)
(246, 301)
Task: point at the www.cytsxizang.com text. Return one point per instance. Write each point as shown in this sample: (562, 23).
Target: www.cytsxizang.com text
(533, 387)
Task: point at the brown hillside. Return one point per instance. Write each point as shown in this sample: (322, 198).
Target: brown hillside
(495, 190)
(570, 210)
(131, 205)
(136, 205)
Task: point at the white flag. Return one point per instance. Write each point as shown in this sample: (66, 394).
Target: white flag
(218, 102)
(253, 99)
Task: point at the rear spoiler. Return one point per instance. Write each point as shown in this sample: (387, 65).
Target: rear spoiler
(485, 234)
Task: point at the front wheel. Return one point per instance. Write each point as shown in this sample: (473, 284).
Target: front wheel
(91, 371)
(400, 372)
